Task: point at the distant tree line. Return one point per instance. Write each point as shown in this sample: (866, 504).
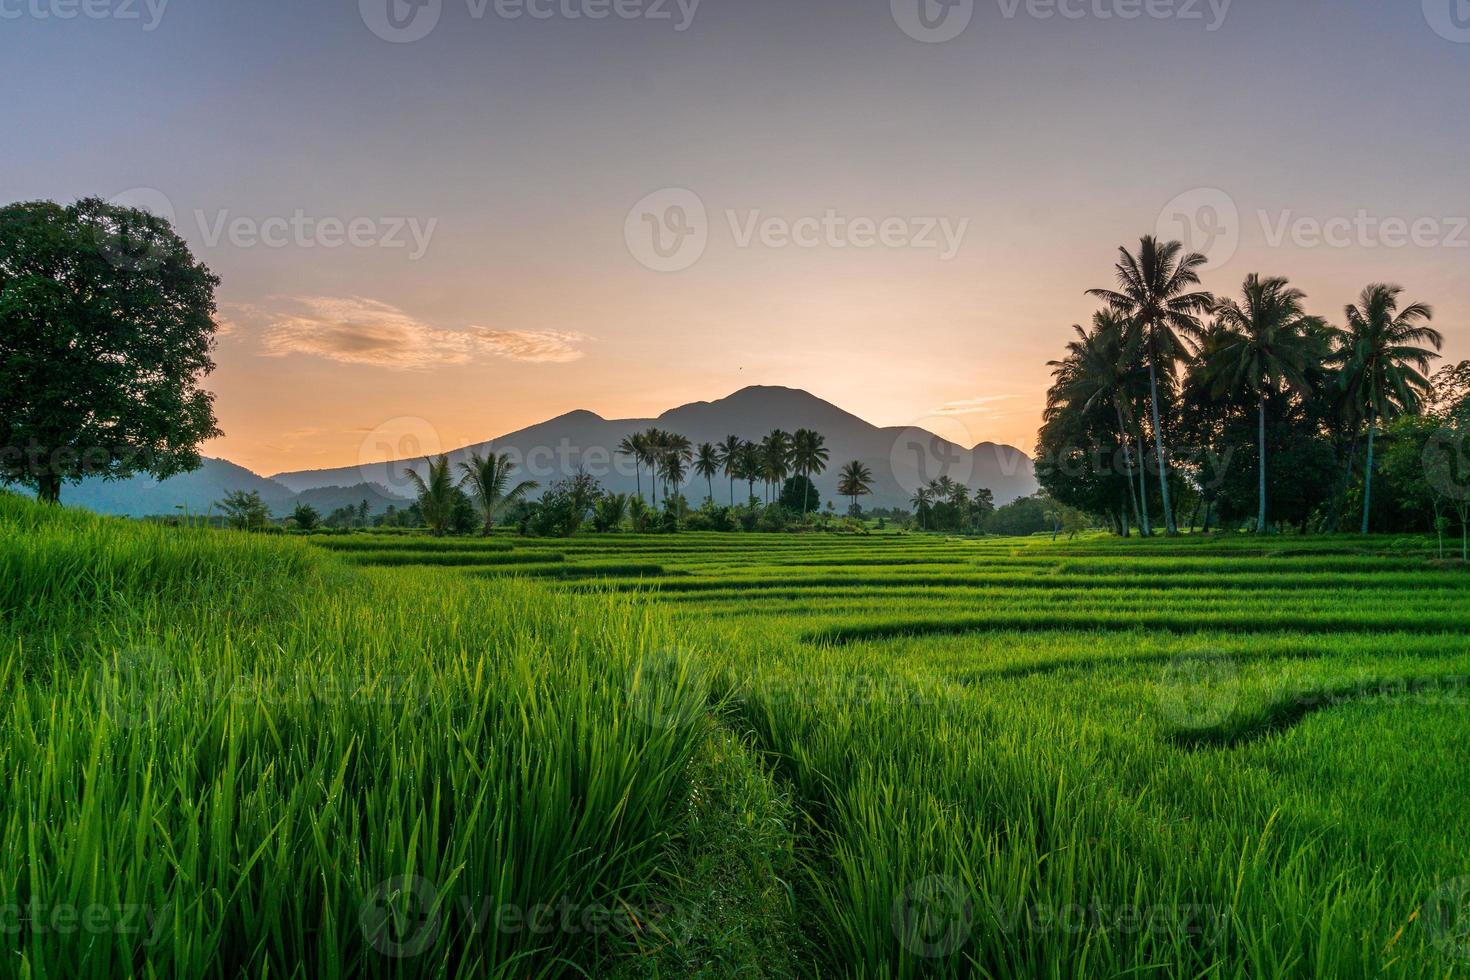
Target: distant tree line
(1177, 406)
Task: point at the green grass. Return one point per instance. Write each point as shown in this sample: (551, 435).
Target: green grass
(780, 755)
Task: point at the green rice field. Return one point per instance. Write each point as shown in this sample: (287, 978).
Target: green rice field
(729, 755)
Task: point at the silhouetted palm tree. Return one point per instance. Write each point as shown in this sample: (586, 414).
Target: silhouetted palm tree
(775, 459)
(436, 494)
(1098, 371)
(809, 455)
(728, 454)
(752, 463)
(1155, 293)
(920, 500)
(632, 447)
(855, 480)
(487, 478)
(1385, 368)
(707, 464)
(1266, 344)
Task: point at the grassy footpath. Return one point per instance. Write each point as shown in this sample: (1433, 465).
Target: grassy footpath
(227, 755)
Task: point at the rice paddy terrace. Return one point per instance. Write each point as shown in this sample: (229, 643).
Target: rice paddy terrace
(695, 755)
(1202, 757)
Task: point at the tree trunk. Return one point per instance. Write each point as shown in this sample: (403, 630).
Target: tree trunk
(638, 476)
(1127, 458)
(732, 489)
(1153, 389)
(1146, 529)
(1209, 511)
(1261, 450)
(48, 488)
(1368, 477)
(1334, 523)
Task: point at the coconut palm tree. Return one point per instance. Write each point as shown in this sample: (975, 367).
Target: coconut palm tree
(809, 456)
(678, 449)
(1099, 371)
(436, 494)
(752, 463)
(855, 480)
(728, 456)
(775, 459)
(652, 446)
(487, 478)
(632, 447)
(1386, 368)
(1266, 344)
(707, 464)
(672, 469)
(920, 500)
(1156, 293)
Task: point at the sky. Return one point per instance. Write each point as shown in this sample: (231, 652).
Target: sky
(437, 221)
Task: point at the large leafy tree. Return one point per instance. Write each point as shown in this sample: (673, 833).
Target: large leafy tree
(488, 480)
(106, 330)
(1386, 365)
(1267, 345)
(1157, 293)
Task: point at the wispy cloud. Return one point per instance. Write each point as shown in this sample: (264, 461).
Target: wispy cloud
(971, 406)
(535, 347)
(355, 330)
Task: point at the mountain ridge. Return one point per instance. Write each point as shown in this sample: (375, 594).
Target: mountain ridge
(901, 457)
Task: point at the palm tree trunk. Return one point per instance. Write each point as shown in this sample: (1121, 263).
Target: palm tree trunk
(1261, 451)
(1334, 523)
(1127, 458)
(638, 475)
(1146, 529)
(1368, 476)
(710, 482)
(1153, 390)
(732, 489)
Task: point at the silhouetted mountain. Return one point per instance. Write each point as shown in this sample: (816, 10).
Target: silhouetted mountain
(328, 499)
(901, 459)
(196, 492)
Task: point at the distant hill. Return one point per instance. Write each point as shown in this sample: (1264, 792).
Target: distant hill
(900, 459)
(197, 492)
